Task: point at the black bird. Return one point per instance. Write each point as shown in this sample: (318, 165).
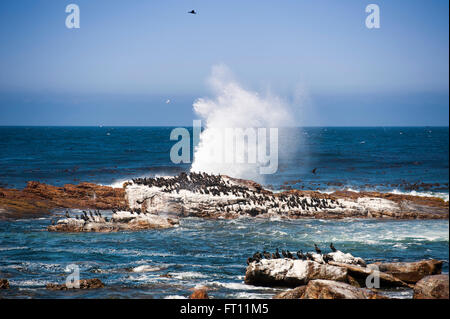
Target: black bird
(266, 254)
(333, 249)
(67, 214)
(300, 255)
(250, 260)
(289, 255)
(309, 256)
(317, 249)
(314, 171)
(277, 254)
(283, 253)
(192, 12)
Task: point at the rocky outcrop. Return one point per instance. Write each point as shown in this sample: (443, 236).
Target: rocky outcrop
(214, 196)
(94, 283)
(432, 287)
(328, 289)
(37, 199)
(290, 273)
(4, 284)
(410, 272)
(121, 221)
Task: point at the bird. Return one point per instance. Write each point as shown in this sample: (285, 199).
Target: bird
(300, 255)
(192, 12)
(317, 249)
(277, 254)
(289, 255)
(314, 170)
(266, 254)
(67, 214)
(333, 249)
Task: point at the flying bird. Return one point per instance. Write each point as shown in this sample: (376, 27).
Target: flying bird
(192, 12)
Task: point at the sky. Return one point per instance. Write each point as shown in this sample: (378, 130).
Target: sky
(128, 57)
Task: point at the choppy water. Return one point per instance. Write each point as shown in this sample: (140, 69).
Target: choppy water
(198, 252)
(205, 252)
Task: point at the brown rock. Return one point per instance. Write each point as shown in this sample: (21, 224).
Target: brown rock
(295, 293)
(432, 287)
(199, 293)
(411, 272)
(84, 284)
(328, 289)
(4, 284)
(360, 274)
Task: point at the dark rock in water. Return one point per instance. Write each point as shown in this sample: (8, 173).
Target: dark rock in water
(94, 283)
(328, 289)
(411, 272)
(432, 287)
(199, 293)
(295, 293)
(4, 284)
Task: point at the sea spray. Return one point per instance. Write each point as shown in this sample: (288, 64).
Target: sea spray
(234, 108)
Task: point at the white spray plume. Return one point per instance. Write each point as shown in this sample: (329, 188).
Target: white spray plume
(233, 107)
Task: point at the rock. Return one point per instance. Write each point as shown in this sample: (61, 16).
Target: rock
(94, 283)
(346, 258)
(328, 289)
(295, 293)
(360, 274)
(432, 287)
(4, 284)
(290, 273)
(411, 272)
(199, 293)
(132, 223)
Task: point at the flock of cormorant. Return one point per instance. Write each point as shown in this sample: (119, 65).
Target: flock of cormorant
(253, 201)
(287, 254)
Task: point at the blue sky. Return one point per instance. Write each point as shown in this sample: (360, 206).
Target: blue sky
(128, 57)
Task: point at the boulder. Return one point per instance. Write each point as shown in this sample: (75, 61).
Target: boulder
(295, 293)
(328, 289)
(346, 258)
(84, 284)
(432, 287)
(4, 284)
(199, 293)
(410, 272)
(360, 274)
(286, 272)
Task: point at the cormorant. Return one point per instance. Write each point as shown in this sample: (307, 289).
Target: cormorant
(289, 255)
(67, 214)
(277, 254)
(192, 12)
(333, 249)
(300, 255)
(283, 253)
(317, 249)
(266, 254)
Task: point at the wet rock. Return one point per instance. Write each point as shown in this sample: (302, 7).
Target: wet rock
(290, 273)
(360, 274)
(133, 223)
(94, 283)
(432, 287)
(411, 272)
(328, 289)
(295, 293)
(4, 284)
(199, 293)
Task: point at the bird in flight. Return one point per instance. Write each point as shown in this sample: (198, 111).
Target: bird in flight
(192, 12)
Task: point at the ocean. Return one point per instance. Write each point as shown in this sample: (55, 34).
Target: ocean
(213, 252)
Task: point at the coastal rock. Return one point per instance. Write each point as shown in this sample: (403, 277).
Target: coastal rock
(346, 258)
(94, 283)
(295, 293)
(133, 222)
(290, 273)
(4, 284)
(328, 289)
(432, 287)
(411, 272)
(37, 199)
(360, 274)
(199, 293)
